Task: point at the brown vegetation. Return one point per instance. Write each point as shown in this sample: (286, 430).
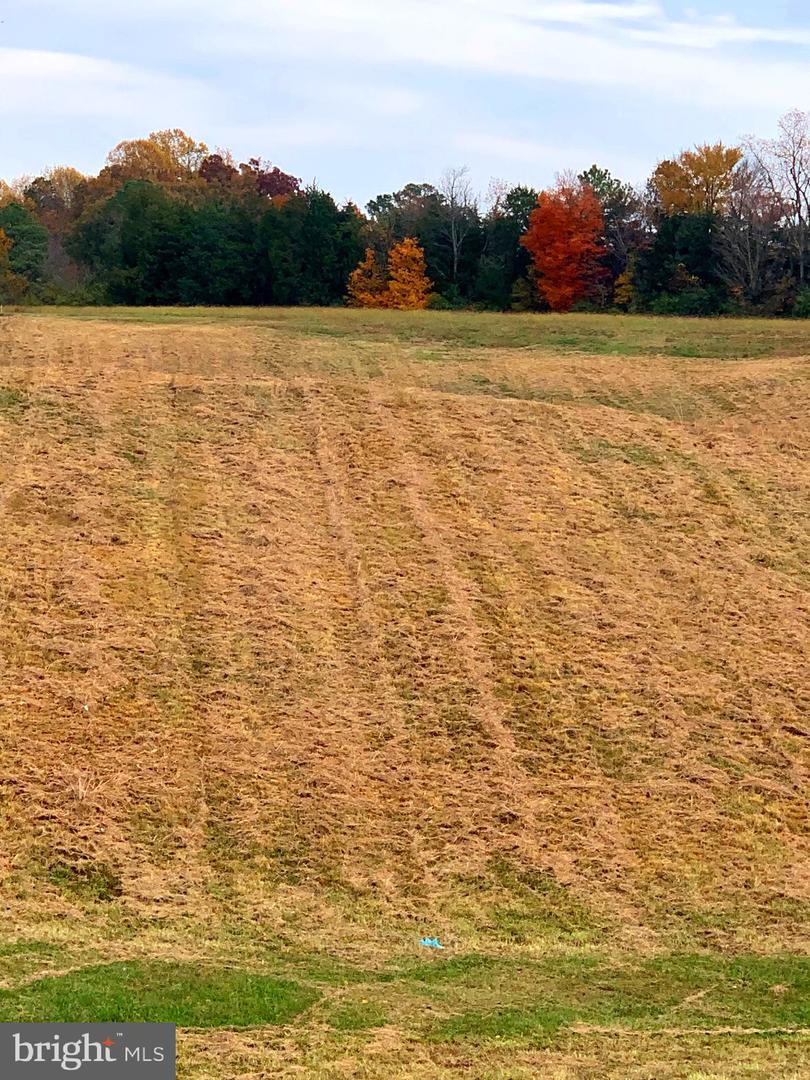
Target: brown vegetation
(301, 611)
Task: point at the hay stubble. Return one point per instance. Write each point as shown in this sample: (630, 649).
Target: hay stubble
(282, 614)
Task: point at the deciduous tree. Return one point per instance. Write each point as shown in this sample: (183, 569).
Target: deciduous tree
(367, 284)
(565, 238)
(165, 157)
(55, 197)
(185, 153)
(268, 180)
(748, 237)
(624, 292)
(408, 284)
(785, 162)
(415, 210)
(698, 181)
(459, 214)
(218, 169)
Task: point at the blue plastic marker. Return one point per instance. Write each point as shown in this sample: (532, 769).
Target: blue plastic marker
(431, 943)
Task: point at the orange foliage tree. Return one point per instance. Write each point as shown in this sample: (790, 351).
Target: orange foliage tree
(408, 286)
(367, 284)
(565, 238)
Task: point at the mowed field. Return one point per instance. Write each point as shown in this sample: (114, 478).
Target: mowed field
(326, 631)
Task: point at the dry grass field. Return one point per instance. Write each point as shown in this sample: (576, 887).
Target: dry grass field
(325, 631)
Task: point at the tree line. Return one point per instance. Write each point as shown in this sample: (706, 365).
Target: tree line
(717, 229)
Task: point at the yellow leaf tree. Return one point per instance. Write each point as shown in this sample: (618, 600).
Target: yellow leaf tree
(407, 288)
(164, 157)
(185, 153)
(367, 285)
(624, 290)
(697, 181)
(408, 284)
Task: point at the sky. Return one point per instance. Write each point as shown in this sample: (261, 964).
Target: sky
(364, 96)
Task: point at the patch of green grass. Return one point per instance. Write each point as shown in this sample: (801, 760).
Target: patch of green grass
(735, 769)
(156, 827)
(667, 403)
(467, 969)
(699, 991)
(478, 998)
(618, 759)
(26, 948)
(477, 383)
(542, 908)
(638, 454)
(152, 992)
(21, 958)
(540, 1023)
(600, 334)
(711, 491)
(84, 879)
(746, 991)
(12, 399)
(133, 457)
(327, 971)
(357, 1016)
(630, 453)
(686, 990)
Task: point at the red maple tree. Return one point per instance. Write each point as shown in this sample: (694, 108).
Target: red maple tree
(565, 240)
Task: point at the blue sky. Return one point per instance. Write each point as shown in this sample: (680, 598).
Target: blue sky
(366, 95)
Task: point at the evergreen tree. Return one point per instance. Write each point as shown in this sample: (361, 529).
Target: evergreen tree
(29, 241)
(308, 248)
(504, 260)
(12, 286)
(134, 244)
(678, 273)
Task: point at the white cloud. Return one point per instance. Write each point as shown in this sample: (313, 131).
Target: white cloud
(628, 44)
(716, 32)
(54, 84)
(575, 11)
(476, 37)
